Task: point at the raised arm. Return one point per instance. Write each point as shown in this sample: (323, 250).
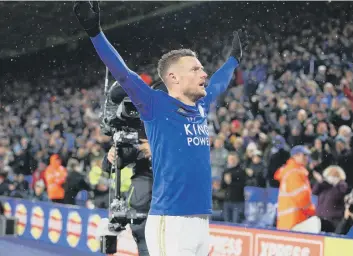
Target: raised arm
(219, 81)
(88, 14)
(139, 92)
(221, 78)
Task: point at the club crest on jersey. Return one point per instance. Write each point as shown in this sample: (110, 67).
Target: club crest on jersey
(202, 112)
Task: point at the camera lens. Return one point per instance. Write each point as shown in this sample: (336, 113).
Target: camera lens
(130, 110)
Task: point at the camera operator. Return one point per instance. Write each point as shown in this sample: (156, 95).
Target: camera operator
(139, 195)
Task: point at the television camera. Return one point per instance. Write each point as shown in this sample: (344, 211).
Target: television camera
(120, 120)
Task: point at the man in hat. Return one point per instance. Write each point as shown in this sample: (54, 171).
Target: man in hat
(294, 197)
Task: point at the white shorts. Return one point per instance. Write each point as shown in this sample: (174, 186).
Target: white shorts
(177, 235)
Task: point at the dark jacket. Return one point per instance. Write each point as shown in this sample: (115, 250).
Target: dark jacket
(4, 188)
(345, 161)
(330, 199)
(234, 192)
(276, 161)
(140, 192)
(22, 186)
(41, 198)
(257, 179)
(2, 210)
(75, 182)
(101, 199)
(324, 158)
(344, 226)
(24, 163)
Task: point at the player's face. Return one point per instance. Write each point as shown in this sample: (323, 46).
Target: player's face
(191, 77)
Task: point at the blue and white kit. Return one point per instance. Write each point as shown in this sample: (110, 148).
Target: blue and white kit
(179, 140)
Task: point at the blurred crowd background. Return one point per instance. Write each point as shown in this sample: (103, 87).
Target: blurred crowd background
(294, 87)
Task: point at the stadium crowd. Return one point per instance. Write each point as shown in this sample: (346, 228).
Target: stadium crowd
(294, 87)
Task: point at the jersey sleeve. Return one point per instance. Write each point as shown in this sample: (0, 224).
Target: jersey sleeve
(219, 81)
(138, 91)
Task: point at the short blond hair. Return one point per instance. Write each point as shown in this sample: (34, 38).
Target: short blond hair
(170, 58)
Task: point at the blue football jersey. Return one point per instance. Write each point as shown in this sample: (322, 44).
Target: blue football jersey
(178, 135)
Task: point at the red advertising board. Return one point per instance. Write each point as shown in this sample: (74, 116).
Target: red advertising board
(268, 243)
(226, 240)
(239, 241)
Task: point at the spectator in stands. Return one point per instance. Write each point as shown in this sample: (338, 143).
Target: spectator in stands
(321, 156)
(344, 157)
(39, 193)
(250, 149)
(294, 197)
(4, 184)
(21, 186)
(13, 192)
(96, 172)
(101, 193)
(83, 157)
(277, 158)
(218, 157)
(75, 182)
(233, 184)
(347, 221)
(38, 174)
(256, 171)
(2, 210)
(330, 188)
(55, 177)
(238, 147)
(218, 195)
(295, 138)
(23, 161)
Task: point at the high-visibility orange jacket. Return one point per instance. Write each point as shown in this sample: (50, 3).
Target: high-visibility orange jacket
(55, 176)
(294, 197)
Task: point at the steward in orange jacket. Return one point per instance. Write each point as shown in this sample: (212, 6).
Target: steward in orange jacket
(55, 176)
(294, 197)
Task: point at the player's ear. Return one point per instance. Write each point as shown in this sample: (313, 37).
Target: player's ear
(172, 78)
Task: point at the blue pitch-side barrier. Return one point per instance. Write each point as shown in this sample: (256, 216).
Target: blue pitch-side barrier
(14, 246)
(62, 225)
(75, 227)
(261, 205)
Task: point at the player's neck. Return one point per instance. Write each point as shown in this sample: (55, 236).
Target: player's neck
(184, 99)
